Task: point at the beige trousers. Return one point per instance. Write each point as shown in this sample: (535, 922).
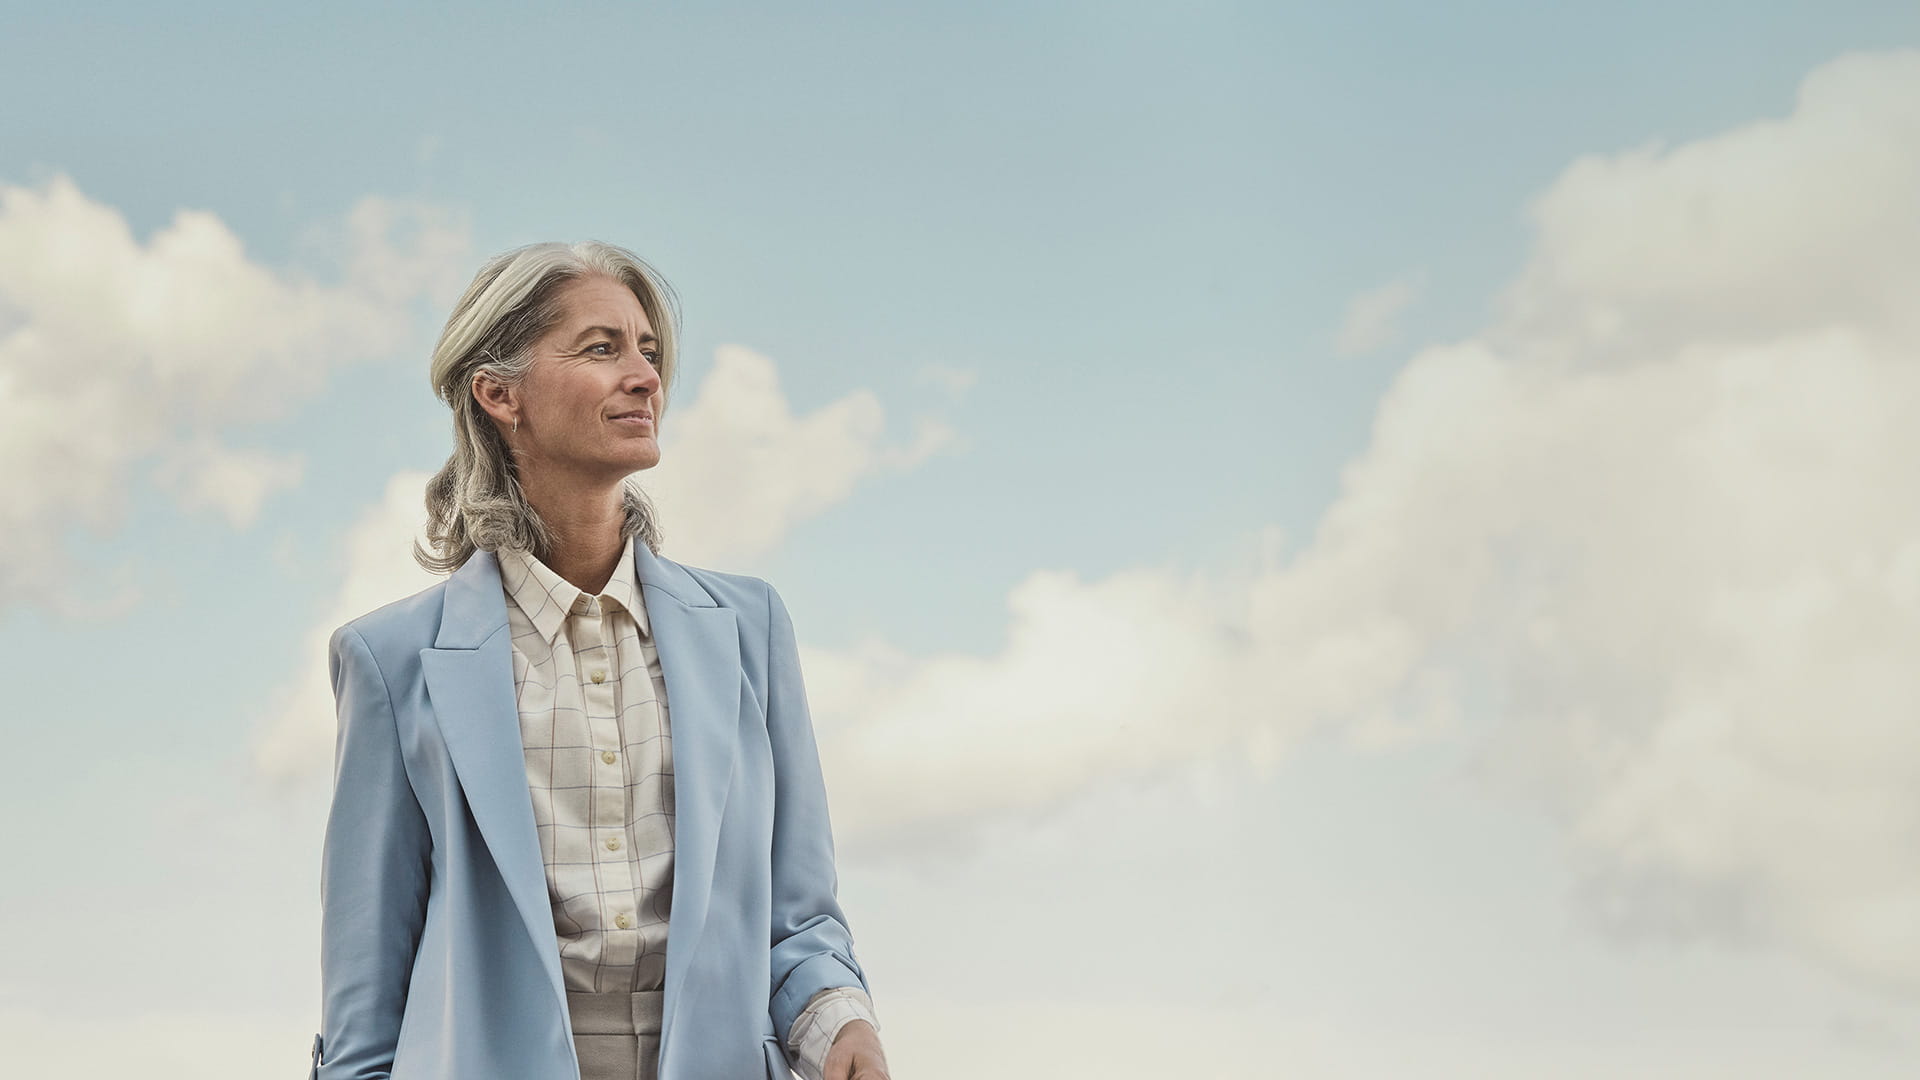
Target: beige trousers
(617, 1034)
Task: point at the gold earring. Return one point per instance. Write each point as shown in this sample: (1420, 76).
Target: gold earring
(516, 425)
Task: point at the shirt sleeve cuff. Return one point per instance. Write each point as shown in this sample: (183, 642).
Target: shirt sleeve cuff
(819, 1024)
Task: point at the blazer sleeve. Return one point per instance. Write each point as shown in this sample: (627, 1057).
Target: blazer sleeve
(374, 875)
(812, 944)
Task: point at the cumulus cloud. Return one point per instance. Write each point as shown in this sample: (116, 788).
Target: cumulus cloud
(1765, 232)
(1648, 538)
(1122, 677)
(1710, 366)
(738, 469)
(114, 351)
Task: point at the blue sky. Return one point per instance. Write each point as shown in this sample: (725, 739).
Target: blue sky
(1508, 392)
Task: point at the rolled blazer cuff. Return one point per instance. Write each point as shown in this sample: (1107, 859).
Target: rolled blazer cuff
(821, 971)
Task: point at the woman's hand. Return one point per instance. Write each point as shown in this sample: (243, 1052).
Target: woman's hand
(856, 1054)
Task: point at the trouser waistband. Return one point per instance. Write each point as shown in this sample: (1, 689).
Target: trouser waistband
(620, 1012)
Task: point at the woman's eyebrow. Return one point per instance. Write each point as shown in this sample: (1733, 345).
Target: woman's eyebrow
(612, 332)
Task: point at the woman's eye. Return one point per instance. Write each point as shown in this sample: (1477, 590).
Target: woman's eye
(652, 357)
(600, 345)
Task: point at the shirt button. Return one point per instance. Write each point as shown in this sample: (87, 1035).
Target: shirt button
(606, 756)
(613, 843)
(622, 921)
(599, 676)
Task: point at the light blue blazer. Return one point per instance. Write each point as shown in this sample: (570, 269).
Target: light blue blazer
(438, 955)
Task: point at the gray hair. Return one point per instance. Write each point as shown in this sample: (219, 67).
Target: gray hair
(475, 502)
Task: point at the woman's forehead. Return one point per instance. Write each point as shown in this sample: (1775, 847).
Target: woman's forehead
(602, 301)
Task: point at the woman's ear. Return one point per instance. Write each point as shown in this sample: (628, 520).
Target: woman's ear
(495, 397)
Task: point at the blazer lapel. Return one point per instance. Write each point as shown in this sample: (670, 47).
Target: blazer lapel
(699, 646)
(469, 676)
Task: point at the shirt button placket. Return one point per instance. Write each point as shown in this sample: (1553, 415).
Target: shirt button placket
(610, 786)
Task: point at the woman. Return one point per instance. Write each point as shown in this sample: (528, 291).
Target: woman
(532, 870)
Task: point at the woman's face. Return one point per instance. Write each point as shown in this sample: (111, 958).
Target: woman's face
(599, 361)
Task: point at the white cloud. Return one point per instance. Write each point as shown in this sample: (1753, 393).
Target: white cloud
(1656, 522)
(1373, 317)
(1709, 646)
(1770, 230)
(738, 469)
(112, 351)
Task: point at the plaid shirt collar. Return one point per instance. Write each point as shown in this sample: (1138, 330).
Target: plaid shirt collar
(547, 598)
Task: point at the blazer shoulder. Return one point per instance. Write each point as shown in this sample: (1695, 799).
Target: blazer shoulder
(399, 626)
(742, 592)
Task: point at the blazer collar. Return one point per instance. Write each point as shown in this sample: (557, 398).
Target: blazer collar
(469, 678)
